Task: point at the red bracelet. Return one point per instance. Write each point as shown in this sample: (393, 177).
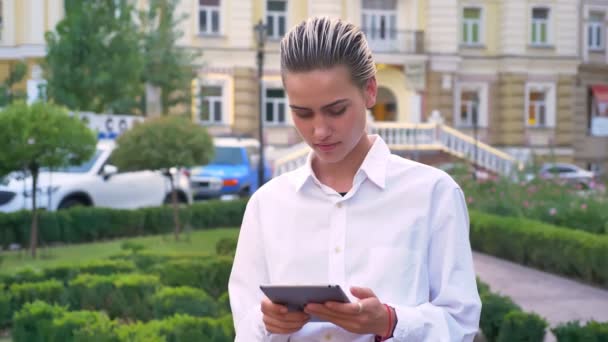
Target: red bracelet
(390, 326)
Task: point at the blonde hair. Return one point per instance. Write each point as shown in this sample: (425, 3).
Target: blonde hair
(322, 43)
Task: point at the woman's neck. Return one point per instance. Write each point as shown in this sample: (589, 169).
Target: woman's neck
(339, 176)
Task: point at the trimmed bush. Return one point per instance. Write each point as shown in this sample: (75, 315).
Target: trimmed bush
(564, 251)
(24, 275)
(125, 296)
(5, 308)
(68, 272)
(574, 332)
(493, 311)
(179, 328)
(522, 327)
(50, 291)
(224, 304)
(34, 322)
(169, 301)
(226, 246)
(86, 224)
(76, 326)
(210, 274)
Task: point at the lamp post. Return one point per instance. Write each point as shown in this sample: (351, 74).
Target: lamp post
(475, 113)
(260, 34)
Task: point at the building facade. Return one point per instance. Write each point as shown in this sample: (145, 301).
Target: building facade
(524, 75)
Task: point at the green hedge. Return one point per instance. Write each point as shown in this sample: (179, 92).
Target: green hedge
(564, 251)
(574, 332)
(209, 274)
(50, 291)
(522, 327)
(5, 308)
(121, 296)
(226, 246)
(169, 301)
(84, 224)
(42, 322)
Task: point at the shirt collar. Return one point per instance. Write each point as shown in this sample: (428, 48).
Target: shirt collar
(374, 165)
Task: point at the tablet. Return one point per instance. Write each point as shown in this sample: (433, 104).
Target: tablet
(295, 297)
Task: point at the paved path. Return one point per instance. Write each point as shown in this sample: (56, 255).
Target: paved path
(555, 298)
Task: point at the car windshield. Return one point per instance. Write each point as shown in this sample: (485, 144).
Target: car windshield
(227, 156)
(82, 168)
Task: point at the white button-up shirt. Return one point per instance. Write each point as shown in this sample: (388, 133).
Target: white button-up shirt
(402, 230)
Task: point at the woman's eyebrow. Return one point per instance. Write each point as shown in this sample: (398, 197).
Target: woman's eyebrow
(324, 107)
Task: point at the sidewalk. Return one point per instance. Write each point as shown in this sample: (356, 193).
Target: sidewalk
(555, 298)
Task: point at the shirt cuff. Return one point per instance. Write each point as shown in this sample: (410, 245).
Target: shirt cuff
(410, 324)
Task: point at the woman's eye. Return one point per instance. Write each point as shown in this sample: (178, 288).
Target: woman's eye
(303, 115)
(337, 112)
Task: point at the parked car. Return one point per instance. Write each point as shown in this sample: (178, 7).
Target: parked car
(232, 172)
(95, 182)
(565, 172)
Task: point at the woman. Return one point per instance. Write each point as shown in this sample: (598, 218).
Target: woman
(393, 231)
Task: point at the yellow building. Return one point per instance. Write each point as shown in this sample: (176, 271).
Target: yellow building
(510, 68)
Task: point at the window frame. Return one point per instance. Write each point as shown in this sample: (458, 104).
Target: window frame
(221, 99)
(275, 102)
(276, 15)
(465, 26)
(549, 89)
(209, 10)
(592, 28)
(481, 88)
(548, 28)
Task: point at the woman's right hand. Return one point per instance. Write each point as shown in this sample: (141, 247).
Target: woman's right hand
(278, 320)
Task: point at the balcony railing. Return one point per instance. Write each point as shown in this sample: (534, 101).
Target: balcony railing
(395, 41)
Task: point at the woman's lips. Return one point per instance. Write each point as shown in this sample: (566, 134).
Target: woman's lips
(326, 147)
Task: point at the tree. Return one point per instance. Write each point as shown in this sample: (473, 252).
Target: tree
(41, 135)
(167, 66)
(94, 60)
(7, 93)
(161, 144)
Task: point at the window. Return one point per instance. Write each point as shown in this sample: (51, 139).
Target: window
(595, 31)
(471, 103)
(209, 17)
(540, 26)
(1, 19)
(275, 106)
(540, 105)
(212, 104)
(276, 18)
(597, 114)
(469, 108)
(379, 20)
(471, 26)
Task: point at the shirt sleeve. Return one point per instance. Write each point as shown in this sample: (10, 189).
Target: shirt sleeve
(454, 307)
(248, 273)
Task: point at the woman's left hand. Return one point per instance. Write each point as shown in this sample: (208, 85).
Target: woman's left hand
(368, 316)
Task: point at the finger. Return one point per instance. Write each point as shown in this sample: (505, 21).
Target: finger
(281, 325)
(269, 307)
(321, 310)
(362, 292)
(345, 308)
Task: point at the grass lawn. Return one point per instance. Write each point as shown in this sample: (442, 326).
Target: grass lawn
(195, 241)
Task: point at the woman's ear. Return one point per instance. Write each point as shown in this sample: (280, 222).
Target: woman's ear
(371, 90)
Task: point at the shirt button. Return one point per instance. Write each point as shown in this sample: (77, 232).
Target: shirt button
(337, 249)
(339, 205)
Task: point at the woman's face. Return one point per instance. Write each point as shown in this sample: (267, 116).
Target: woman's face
(329, 110)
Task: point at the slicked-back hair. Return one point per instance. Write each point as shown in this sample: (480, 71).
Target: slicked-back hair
(322, 43)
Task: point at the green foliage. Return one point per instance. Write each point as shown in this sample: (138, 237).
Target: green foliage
(16, 74)
(131, 246)
(33, 323)
(5, 308)
(573, 332)
(79, 326)
(94, 61)
(125, 296)
(49, 291)
(167, 66)
(493, 311)
(522, 327)
(42, 135)
(565, 251)
(210, 274)
(561, 204)
(163, 143)
(226, 246)
(87, 224)
(224, 304)
(169, 301)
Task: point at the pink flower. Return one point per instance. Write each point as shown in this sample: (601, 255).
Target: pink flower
(526, 204)
(470, 200)
(584, 206)
(552, 211)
